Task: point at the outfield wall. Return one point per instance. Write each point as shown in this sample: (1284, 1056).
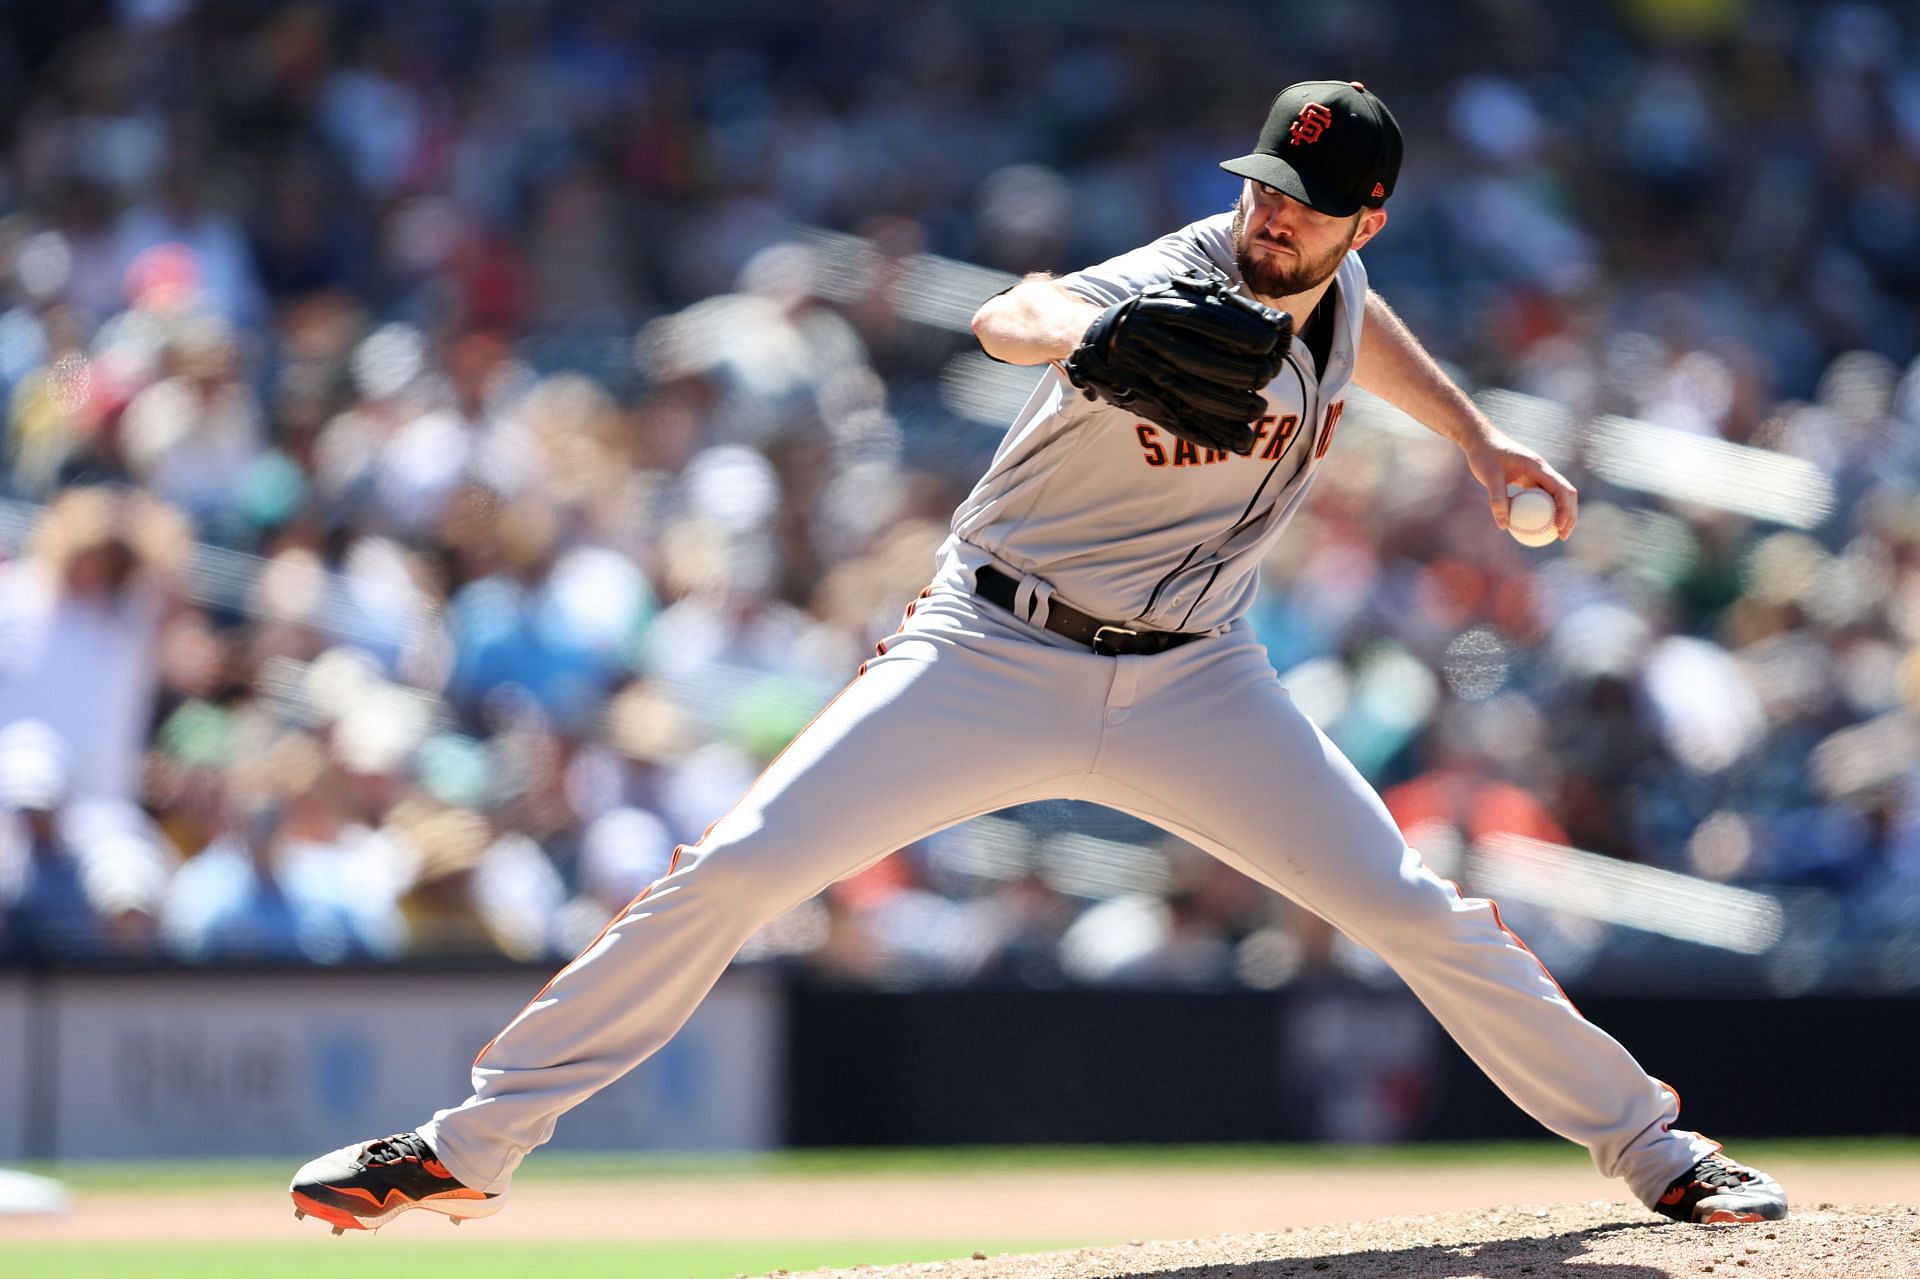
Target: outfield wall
(183, 1062)
(1313, 1063)
(15, 1068)
(98, 1064)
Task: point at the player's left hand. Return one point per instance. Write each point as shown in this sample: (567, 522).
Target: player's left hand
(1498, 462)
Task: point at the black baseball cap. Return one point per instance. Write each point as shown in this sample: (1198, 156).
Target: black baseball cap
(1331, 144)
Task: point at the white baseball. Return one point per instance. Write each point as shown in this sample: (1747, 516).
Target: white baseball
(1530, 514)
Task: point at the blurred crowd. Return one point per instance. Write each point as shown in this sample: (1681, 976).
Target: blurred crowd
(439, 474)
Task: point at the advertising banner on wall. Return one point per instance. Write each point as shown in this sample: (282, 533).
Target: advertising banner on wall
(175, 1064)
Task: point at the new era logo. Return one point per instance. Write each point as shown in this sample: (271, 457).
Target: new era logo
(1379, 190)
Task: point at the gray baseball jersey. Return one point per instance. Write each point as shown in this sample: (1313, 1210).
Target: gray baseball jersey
(1124, 519)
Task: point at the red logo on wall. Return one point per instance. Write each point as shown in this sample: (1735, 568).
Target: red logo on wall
(1309, 124)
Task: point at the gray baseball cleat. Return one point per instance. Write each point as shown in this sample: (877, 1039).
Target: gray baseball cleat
(1718, 1190)
(364, 1186)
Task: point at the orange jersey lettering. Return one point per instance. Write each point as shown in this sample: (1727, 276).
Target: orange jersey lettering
(1289, 426)
(1150, 443)
(1334, 410)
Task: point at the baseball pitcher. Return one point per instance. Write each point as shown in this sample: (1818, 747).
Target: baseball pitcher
(1084, 637)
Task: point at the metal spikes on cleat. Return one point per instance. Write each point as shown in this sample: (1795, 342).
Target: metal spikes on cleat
(299, 1214)
(339, 1230)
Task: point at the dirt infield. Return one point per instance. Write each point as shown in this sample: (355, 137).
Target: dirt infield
(1595, 1242)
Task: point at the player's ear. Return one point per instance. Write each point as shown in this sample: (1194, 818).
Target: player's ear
(1371, 220)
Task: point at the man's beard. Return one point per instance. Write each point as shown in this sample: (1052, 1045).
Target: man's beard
(1277, 277)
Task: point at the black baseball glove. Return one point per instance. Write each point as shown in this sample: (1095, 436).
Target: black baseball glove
(1190, 355)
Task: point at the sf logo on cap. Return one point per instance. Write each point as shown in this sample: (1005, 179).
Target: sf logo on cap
(1309, 124)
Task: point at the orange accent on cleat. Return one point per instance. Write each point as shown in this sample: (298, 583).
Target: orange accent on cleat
(339, 1218)
(1675, 1195)
(397, 1196)
(358, 1193)
(1726, 1216)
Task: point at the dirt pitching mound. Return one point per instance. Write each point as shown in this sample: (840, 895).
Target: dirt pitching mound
(1592, 1241)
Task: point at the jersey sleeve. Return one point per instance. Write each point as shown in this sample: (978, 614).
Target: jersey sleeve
(1184, 252)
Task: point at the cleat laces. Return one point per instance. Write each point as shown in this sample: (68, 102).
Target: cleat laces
(397, 1149)
(1721, 1173)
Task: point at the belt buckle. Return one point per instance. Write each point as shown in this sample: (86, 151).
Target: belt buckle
(1103, 646)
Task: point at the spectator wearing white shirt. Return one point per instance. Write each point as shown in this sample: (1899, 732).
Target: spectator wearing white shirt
(80, 621)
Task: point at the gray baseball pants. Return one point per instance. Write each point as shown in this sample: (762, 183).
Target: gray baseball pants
(967, 710)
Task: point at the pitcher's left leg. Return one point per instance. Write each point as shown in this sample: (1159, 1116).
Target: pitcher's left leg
(1217, 752)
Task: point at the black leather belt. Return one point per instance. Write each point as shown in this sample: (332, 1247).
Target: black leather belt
(1110, 639)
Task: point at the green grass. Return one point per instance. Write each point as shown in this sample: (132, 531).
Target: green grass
(986, 1160)
(362, 1259)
